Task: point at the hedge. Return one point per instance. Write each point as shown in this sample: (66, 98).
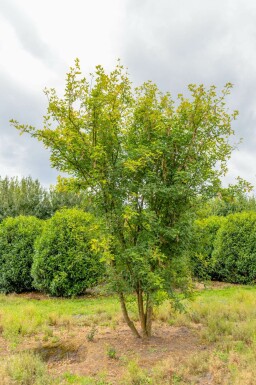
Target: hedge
(235, 249)
(17, 237)
(205, 231)
(65, 263)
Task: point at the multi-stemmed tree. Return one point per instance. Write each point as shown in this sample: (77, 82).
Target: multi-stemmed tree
(142, 159)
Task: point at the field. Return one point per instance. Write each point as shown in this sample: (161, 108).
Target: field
(85, 341)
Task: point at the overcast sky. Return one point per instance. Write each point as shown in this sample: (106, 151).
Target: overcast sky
(172, 42)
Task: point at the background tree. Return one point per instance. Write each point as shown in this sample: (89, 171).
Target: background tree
(23, 196)
(143, 159)
(230, 200)
(66, 199)
(27, 196)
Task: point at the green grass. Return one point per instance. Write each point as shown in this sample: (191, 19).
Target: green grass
(20, 317)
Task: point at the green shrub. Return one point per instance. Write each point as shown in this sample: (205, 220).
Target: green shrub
(17, 237)
(235, 249)
(66, 263)
(205, 231)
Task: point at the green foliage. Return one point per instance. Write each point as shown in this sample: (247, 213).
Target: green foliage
(235, 249)
(17, 237)
(66, 259)
(205, 231)
(136, 375)
(142, 158)
(75, 379)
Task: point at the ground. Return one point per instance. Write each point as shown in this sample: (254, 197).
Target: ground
(91, 358)
(109, 350)
(212, 343)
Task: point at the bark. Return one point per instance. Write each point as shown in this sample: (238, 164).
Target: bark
(127, 318)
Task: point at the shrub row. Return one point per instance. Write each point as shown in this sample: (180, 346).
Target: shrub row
(225, 248)
(60, 256)
(56, 256)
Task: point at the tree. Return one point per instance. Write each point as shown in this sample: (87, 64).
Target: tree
(142, 159)
(229, 200)
(66, 199)
(23, 196)
(26, 196)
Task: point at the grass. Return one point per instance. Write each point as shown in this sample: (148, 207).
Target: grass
(70, 378)
(21, 317)
(226, 323)
(25, 369)
(223, 319)
(28, 369)
(228, 316)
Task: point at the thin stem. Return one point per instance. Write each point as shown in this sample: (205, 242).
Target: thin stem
(141, 312)
(149, 313)
(126, 316)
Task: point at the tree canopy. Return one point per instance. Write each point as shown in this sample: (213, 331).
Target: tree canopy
(143, 159)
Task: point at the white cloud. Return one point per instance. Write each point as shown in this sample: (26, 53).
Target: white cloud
(170, 42)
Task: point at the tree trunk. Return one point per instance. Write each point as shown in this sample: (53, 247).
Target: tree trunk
(127, 318)
(149, 320)
(142, 314)
(149, 313)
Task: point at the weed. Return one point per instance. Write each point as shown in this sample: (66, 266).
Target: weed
(111, 352)
(55, 339)
(21, 317)
(91, 334)
(135, 375)
(48, 331)
(27, 369)
(176, 380)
